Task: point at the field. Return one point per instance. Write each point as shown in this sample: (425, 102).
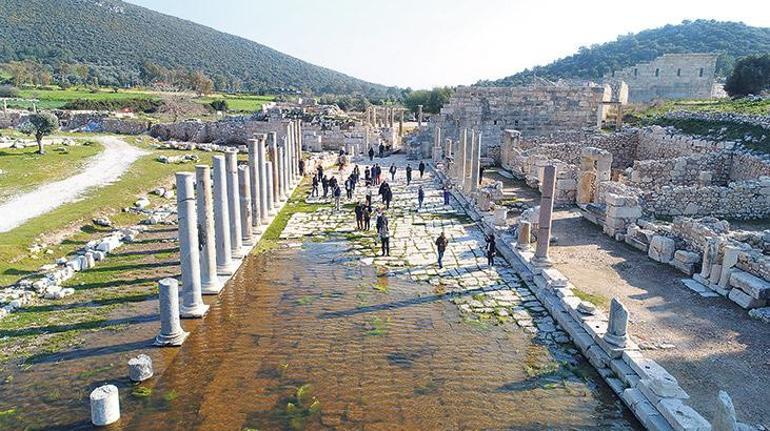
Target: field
(54, 98)
(740, 106)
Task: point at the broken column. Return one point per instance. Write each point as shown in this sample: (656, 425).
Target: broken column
(524, 237)
(225, 265)
(140, 368)
(210, 284)
(263, 179)
(254, 182)
(105, 405)
(436, 155)
(270, 188)
(401, 123)
(233, 205)
(617, 327)
(541, 258)
(476, 163)
(282, 172)
(461, 157)
(192, 302)
(171, 332)
(419, 115)
(273, 145)
(244, 189)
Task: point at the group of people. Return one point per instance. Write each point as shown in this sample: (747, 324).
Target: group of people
(381, 149)
(490, 248)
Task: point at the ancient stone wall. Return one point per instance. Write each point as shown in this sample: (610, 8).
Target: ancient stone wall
(683, 171)
(231, 131)
(671, 76)
(535, 111)
(746, 166)
(744, 200)
(663, 143)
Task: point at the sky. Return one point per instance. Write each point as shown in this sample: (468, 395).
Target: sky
(428, 43)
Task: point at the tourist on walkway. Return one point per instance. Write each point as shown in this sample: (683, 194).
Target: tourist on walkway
(359, 210)
(393, 172)
(319, 171)
(378, 223)
(376, 172)
(447, 194)
(371, 153)
(337, 194)
(349, 187)
(302, 167)
(408, 174)
(367, 213)
(491, 250)
(325, 186)
(369, 195)
(441, 243)
(356, 173)
(382, 150)
(367, 176)
(314, 192)
(332, 183)
(388, 197)
(385, 235)
(421, 168)
(420, 197)
(381, 190)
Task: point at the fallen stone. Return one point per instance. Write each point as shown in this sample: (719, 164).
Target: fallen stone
(752, 285)
(744, 300)
(682, 417)
(762, 314)
(140, 368)
(661, 249)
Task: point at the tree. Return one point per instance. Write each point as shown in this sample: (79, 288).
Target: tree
(177, 105)
(751, 75)
(219, 105)
(40, 125)
(200, 83)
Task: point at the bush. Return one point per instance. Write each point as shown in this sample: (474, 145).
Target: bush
(219, 105)
(9, 91)
(134, 104)
(751, 75)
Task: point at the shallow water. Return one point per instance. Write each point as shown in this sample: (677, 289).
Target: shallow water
(310, 339)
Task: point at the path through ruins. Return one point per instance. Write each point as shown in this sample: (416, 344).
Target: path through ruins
(101, 170)
(321, 334)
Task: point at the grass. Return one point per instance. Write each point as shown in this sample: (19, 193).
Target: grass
(739, 106)
(54, 97)
(139, 179)
(23, 169)
(597, 300)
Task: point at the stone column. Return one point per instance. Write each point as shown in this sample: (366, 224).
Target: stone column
(447, 149)
(281, 173)
(468, 171)
(273, 142)
(401, 123)
(476, 165)
(225, 264)
(244, 189)
(525, 236)
(270, 188)
(171, 333)
(436, 145)
(210, 284)
(254, 183)
(105, 405)
(617, 327)
(461, 156)
(263, 179)
(419, 115)
(541, 258)
(233, 205)
(189, 254)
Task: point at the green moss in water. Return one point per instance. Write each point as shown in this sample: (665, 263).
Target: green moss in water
(141, 392)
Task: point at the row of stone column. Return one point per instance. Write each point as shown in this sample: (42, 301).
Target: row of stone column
(390, 117)
(219, 222)
(465, 163)
(541, 258)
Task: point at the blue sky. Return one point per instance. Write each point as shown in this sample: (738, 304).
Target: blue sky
(425, 43)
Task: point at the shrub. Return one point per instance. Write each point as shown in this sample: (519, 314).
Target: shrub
(219, 105)
(9, 91)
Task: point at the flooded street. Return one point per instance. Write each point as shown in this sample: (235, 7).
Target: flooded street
(310, 339)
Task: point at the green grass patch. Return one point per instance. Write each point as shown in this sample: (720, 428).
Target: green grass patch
(597, 300)
(376, 326)
(23, 169)
(141, 392)
(295, 204)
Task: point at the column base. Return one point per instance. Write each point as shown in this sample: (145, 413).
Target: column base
(195, 312)
(228, 269)
(542, 262)
(616, 340)
(211, 288)
(264, 221)
(248, 242)
(237, 252)
(170, 340)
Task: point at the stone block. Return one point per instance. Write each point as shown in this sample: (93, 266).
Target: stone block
(682, 417)
(661, 249)
(624, 212)
(554, 278)
(715, 273)
(745, 300)
(662, 386)
(686, 256)
(750, 284)
(597, 357)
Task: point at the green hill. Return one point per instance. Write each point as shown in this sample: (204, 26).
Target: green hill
(730, 39)
(116, 38)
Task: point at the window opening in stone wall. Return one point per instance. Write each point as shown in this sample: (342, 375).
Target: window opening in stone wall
(657, 73)
(636, 72)
(679, 72)
(613, 73)
(701, 72)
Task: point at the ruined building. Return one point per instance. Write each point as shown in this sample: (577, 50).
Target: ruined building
(670, 76)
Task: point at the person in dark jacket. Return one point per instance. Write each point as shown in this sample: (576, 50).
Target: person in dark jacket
(384, 232)
(447, 194)
(314, 192)
(491, 250)
(408, 174)
(348, 188)
(421, 168)
(481, 174)
(319, 172)
(337, 194)
(381, 190)
(302, 167)
(382, 150)
(325, 186)
(359, 210)
(367, 176)
(393, 172)
(356, 173)
(420, 197)
(367, 213)
(388, 197)
(371, 153)
(441, 243)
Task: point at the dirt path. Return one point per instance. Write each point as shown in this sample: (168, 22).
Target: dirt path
(103, 169)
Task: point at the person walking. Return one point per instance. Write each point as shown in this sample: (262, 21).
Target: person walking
(447, 194)
(319, 172)
(367, 176)
(349, 188)
(388, 196)
(378, 222)
(421, 168)
(408, 174)
(367, 214)
(393, 172)
(325, 186)
(369, 195)
(314, 192)
(385, 236)
(337, 194)
(359, 210)
(381, 190)
(441, 243)
(420, 197)
(302, 167)
(356, 173)
(371, 153)
(491, 250)
(382, 150)
(481, 174)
